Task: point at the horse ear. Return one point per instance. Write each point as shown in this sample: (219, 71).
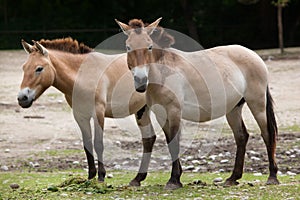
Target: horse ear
(27, 47)
(125, 28)
(151, 27)
(41, 49)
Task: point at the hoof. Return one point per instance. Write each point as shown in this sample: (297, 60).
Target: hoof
(92, 174)
(134, 183)
(100, 180)
(272, 181)
(229, 183)
(173, 186)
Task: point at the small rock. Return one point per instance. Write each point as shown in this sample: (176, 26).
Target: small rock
(257, 174)
(254, 153)
(75, 162)
(64, 194)
(218, 180)
(34, 165)
(14, 186)
(221, 170)
(255, 158)
(224, 161)
(110, 175)
(291, 173)
(293, 156)
(118, 143)
(189, 158)
(227, 154)
(117, 167)
(77, 143)
(4, 168)
(196, 162)
(125, 162)
(288, 153)
(153, 161)
(197, 169)
(189, 167)
(6, 150)
(212, 157)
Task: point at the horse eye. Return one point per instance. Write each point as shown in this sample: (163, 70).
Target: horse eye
(150, 47)
(39, 69)
(128, 48)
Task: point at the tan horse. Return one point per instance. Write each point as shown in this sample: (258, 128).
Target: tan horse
(201, 86)
(95, 86)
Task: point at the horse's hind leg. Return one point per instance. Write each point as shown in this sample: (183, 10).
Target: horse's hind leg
(262, 110)
(85, 127)
(148, 138)
(98, 140)
(241, 136)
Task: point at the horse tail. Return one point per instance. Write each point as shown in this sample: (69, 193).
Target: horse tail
(272, 125)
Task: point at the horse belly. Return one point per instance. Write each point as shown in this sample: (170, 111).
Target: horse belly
(200, 113)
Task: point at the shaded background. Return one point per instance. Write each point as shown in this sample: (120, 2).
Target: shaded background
(210, 22)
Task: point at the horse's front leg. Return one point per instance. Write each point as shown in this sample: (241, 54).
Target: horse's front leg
(98, 140)
(172, 129)
(148, 138)
(84, 125)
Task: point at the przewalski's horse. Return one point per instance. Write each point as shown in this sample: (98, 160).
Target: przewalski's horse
(95, 85)
(202, 86)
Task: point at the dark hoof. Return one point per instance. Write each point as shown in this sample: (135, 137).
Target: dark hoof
(272, 181)
(229, 183)
(134, 183)
(101, 180)
(173, 186)
(92, 174)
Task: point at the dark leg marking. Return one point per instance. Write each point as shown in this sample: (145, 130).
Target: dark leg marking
(91, 163)
(140, 113)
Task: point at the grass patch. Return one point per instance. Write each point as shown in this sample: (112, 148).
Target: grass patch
(61, 152)
(196, 185)
(292, 128)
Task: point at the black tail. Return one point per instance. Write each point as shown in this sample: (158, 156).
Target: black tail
(272, 125)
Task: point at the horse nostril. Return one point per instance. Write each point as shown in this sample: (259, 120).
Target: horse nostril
(140, 80)
(23, 98)
(144, 79)
(137, 79)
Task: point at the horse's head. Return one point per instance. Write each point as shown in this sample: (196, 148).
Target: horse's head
(39, 74)
(140, 50)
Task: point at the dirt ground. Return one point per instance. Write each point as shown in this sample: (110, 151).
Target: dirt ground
(31, 137)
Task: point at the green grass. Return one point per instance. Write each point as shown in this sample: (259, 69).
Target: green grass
(58, 185)
(292, 128)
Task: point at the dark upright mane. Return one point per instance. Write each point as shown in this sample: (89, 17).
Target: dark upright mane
(159, 35)
(67, 45)
(137, 25)
(162, 38)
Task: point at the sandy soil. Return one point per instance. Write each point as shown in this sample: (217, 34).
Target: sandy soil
(22, 136)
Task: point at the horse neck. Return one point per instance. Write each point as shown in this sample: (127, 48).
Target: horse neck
(66, 67)
(162, 65)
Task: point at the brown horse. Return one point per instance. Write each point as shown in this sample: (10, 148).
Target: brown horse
(95, 85)
(202, 86)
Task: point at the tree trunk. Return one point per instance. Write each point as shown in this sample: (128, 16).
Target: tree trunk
(280, 29)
